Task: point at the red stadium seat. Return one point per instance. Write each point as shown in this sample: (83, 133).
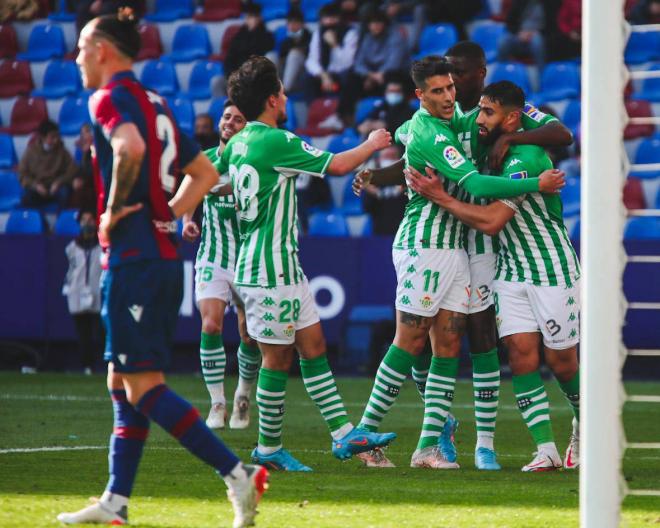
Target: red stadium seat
(15, 78)
(27, 114)
(152, 47)
(227, 36)
(8, 42)
(319, 110)
(638, 108)
(215, 10)
(633, 194)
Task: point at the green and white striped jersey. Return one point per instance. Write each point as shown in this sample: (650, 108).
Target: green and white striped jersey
(220, 237)
(465, 125)
(262, 163)
(534, 244)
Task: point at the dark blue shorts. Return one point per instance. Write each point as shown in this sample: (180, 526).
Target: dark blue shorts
(141, 303)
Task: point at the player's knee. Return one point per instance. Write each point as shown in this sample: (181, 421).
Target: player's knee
(564, 368)
(210, 325)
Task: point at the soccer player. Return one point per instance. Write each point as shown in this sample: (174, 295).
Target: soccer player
(537, 279)
(214, 277)
(431, 264)
(468, 72)
(263, 162)
(139, 151)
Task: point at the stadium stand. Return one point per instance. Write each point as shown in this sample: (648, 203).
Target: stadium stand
(511, 71)
(217, 10)
(201, 75)
(171, 10)
(151, 48)
(642, 47)
(643, 228)
(273, 9)
(26, 114)
(320, 110)
(436, 39)
(327, 225)
(191, 42)
(74, 113)
(46, 42)
(184, 113)
(648, 152)
(160, 75)
(650, 87)
(8, 42)
(559, 80)
(15, 78)
(24, 222)
(67, 223)
(487, 34)
(638, 108)
(10, 191)
(60, 79)
(7, 154)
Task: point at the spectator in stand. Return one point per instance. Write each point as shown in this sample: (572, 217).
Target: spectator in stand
(527, 23)
(206, 134)
(46, 169)
(293, 51)
(331, 53)
(252, 39)
(385, 205)
(84, 193)
(18, 10)
(394, 111)
(82, 287)
(646, 12)
(383, 55)
(566, 42)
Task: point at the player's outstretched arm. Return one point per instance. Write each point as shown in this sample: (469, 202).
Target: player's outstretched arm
(200, 177)
(382, 177)
(481, 186)
(349, 160)
(489, 219)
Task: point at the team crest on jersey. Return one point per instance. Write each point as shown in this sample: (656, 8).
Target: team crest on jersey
(522, 175)
(426, 301)
(289, 331)
(453, 157)
(310, 149)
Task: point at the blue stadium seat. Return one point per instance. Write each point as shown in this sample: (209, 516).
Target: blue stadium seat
(191, 42)
(184, 113)
(171, 10)
(650, 87)
(327, 225)
(310, 8)
(67, 223)
(570, 197)
(74, 113)
(487, 34)
(358, 333)
(642, 228)
(291, 119)
(215, 108)
(511, 71)
(559, 80)
(647, 152)
(7, 154)
(273, 9)
(643, 46)
(24, 222)
(365, 106)
(351, 204)
(348, 139)
(45, 42)
(199, 84)
(572, 115)
(10, 191)
(62, 13)
(160, 76)
(60, 79)
(436, 39)
(280, 35)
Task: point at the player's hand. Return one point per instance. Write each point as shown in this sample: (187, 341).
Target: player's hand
(498, 152)
(361, 180)
(379, 139)
(429, 185)
(109, 220)
(551, 181)
(190, 231)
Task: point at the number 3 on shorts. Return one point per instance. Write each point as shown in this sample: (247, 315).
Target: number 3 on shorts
(289, 310)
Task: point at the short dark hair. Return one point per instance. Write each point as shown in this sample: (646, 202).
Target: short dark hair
(330, 10)
(121, 30)
(46, 127)
(505, 93)
(427, 67)
(252, 84)
(252, 8)
(295, 13)
(228, 103)
(377, 16)
(466, 49)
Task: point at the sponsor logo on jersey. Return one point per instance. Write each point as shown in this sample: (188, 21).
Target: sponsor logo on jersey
(439, 138)
(289, 331)
(165, 227)
(453, 157)
(522, 175)
(533, 112)
(310, 149)
(426, 301)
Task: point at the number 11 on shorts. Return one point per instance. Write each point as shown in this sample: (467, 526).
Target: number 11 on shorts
(428, 275)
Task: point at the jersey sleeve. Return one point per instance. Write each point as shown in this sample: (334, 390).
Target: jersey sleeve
(111, 108)
(532, 117)
(293, 156)
(401, 135)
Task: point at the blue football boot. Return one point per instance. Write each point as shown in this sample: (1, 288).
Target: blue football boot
(486, 459)
(446, 439)
(358, 441)
(280, 460)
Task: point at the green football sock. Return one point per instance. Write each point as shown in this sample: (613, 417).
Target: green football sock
(391, 374)
(213, 360)
(438, 398)
(571, 390)
(271, 389)
(321, 387)
(486, 390)
(533, 403)
(420, 370)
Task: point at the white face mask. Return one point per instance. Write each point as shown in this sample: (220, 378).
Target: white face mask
(393, 98)
(47, 147)
(296, 34)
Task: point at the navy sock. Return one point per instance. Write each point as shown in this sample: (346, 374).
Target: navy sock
(128, 436)
(181, 420)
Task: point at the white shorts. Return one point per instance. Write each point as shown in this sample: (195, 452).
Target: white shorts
(274, 315)
(552, 310)
(429, 280)
(482, 274)
(213, 282)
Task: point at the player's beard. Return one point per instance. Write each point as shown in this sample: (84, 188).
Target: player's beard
(492, 136)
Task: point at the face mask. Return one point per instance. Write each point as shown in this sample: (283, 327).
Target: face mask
(47, 147)
(296, 34)
(393, 98)
(88, 230)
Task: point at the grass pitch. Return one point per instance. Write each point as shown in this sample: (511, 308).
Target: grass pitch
(72, 414)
